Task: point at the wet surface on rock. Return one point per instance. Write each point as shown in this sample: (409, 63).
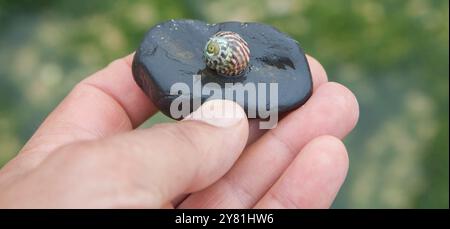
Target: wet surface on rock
(172, 53)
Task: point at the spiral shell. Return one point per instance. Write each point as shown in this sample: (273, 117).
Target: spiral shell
(227, 53)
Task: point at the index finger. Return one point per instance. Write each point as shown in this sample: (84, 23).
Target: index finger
(105, 103)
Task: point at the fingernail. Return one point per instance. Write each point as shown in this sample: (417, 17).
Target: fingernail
(220, 113)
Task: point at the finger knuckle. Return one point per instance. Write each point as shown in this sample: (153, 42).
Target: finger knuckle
(186, 137)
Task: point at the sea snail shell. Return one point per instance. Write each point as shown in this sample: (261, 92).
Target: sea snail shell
(227, 53)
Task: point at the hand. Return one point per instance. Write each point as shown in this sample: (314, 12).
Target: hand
(88, 154)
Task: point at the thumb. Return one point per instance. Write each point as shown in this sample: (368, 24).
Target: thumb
(178, 158)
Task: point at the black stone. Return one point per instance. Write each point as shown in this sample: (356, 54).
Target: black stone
(172, 52)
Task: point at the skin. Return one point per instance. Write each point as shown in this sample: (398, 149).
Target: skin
(89, 154)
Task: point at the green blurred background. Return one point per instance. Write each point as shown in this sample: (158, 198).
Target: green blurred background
(392, 54)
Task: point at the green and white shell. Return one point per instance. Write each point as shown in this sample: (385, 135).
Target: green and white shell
(227, 53)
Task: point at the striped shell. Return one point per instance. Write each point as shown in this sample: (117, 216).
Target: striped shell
(227, 53)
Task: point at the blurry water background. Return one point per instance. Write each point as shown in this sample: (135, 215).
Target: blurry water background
(393, 55)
